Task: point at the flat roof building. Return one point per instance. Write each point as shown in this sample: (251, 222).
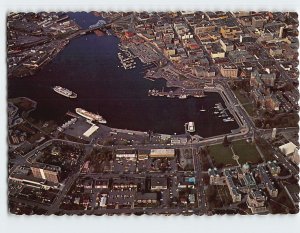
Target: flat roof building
(159, 153)
(90, 131)
(127, 154)
(146, 198)
(288, 148)
(46, 172)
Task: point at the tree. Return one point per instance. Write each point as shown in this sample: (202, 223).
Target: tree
(226, 142)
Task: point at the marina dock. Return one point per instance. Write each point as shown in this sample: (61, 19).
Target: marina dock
(179, 93)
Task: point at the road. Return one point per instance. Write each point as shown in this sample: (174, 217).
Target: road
(201, 198)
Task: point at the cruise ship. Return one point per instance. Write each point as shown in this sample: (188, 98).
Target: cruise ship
(90, 116)
(65, 92)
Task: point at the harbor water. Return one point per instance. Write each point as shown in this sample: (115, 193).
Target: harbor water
(88, 65)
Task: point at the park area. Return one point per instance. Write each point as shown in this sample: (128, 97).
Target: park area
(244, 100)
(222, 156)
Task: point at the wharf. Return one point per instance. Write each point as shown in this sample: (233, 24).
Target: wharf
(180, 93)
(72, 114)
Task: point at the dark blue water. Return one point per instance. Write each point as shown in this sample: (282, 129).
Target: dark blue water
(89, 67)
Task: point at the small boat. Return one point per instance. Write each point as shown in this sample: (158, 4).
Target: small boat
(202, 110)
(228, 119)
(182, 96)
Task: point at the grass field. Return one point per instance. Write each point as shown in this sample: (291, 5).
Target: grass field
(249, 109)
(245, 102)
(222, 156)
(246, 151)
(243, 99)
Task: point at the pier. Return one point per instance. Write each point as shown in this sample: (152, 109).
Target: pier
(72, 114)
(179, 93)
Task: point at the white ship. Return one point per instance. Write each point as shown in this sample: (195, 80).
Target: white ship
(90, 116)
(228, 119)
(65, 92)
(182, 96)
(190, 127)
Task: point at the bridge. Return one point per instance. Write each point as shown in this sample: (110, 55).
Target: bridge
(119, 22)
(100, 23)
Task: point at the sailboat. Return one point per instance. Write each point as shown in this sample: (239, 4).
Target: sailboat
(202, 109)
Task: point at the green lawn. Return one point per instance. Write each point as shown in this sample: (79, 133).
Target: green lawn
(243, 99)
(249, 109)
(222, 156)
(246, 151)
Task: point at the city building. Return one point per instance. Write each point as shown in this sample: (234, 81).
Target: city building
(235, 194)
(256, 202)
(124, 184)
(216, 51)
(22, 175)
(177, 140)
(143, 154)
(170, 50)
(186, 182)
(248, 180)
(291, 151)
(182, 31)
(226, 44)
(213, 16)
(288, 148)
(239, 56)
(229, 71)
(265, 179)
(146, 198)
(246, 21)
(101, 183)
(215, 178)
(273, 167)
(258, 21)
(229, 32)
(204, 27)
(160, 153)
(126, 154)
(202, 71)
(46, 172)
(266, 76)
(247, 38)
(120, 198)
(295, 157)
